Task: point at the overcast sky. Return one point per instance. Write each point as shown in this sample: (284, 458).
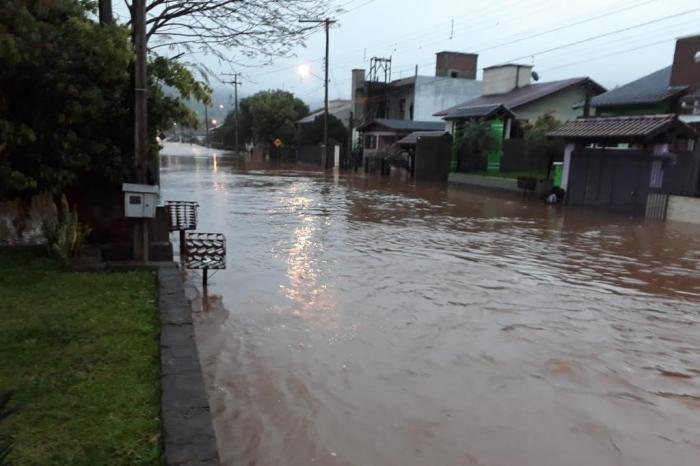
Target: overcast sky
(412, 31)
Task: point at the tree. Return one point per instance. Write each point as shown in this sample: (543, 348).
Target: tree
(312, 133)
(219, 27)
(264, 117)
(476, 140)
(65, 99)
(538, 146)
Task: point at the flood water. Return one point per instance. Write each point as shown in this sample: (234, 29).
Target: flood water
(372, 322)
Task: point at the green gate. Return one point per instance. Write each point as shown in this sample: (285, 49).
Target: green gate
(493, 160)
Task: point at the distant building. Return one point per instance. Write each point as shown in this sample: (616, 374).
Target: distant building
(673, 89)
(377, 96)
(339, 108)
(381, 133)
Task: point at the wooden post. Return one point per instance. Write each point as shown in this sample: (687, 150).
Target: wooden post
(140, 120)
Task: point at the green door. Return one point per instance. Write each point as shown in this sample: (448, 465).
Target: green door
(493, 160)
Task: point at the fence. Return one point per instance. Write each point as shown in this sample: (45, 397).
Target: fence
(682, 176)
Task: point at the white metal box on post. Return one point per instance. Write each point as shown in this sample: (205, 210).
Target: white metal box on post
(140, 200)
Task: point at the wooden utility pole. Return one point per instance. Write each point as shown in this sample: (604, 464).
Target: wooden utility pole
(350, 155)
(140, 120)
(327, 23)
(235, 83)
(206, 124)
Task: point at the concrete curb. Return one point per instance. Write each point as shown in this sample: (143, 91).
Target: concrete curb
(188, 434)
(489, 182)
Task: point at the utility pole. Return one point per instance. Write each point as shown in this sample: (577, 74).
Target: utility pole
(327, 23)
(235, 83)
(140, 121)
(206, 124)
(350, 155)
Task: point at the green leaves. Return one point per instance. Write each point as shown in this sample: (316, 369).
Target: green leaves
(268, 115)
(66, 99)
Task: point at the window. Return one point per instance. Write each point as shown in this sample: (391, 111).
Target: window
(410, 112)
(453, 74)
(402, 109)
(370, 141)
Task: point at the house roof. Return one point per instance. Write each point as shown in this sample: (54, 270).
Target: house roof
(625, 127)
(404, 125)
(480, 111)
(412, 138)
(334, 107)
(521, 95)
(650, 89)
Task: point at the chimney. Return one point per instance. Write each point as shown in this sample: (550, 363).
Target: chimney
(456, 65)
(686, 70)
(500, 79)
(357, 93)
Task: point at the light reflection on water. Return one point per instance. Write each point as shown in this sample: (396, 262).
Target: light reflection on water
(367, 322)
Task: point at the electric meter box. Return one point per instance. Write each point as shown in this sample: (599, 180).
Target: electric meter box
(140, 200)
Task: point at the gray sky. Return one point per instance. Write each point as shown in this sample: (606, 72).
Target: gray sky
(636, 38)
(411, 31)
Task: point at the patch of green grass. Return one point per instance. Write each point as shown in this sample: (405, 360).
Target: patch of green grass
(81, 351)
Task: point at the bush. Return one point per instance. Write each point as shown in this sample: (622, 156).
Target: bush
(63, 232)
(386, 157)
(476, 139)
(6, 441)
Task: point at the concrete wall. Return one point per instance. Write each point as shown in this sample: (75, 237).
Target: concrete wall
(394, 97)
(683, 209)
(435, 94)
(560, 104)
(500, 79)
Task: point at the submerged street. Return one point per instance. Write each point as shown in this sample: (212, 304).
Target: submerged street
(366, 321)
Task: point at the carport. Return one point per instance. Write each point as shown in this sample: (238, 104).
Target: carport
(618, 163)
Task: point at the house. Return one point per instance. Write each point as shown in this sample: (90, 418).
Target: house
(673, 89)
(339, 108)
(510, 88)
(416, 97)
(625, 164)
(381, 133)
(510, 99)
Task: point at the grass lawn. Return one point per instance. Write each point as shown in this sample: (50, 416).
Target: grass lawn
(81, 352)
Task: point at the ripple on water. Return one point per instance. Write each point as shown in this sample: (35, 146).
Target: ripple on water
(364, 322)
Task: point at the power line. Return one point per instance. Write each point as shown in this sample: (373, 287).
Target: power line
(598, 36)
(611, 54)
(566, 26)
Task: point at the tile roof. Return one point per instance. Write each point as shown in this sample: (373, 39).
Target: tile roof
(412, 138)
(650, 89)
(642, 126)
(520, 96)
(479, 111)
(405, 125)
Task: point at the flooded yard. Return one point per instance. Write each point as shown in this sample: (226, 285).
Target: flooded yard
(371, 322)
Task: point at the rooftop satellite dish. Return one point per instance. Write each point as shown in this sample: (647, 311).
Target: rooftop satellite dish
(697, 56)
(535, 76)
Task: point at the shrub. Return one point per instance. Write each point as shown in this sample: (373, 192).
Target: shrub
(63, 231)
(6, 441)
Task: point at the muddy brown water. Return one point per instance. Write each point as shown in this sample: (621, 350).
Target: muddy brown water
(372, 322)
